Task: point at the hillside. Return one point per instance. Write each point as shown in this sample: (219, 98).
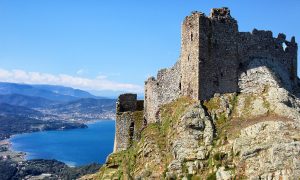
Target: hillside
(80, 109)
(20, 122)
(12, 110)
(26, 101)
(83, 109)
(67, 91)
(86, 105)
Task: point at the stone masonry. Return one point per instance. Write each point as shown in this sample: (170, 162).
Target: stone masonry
(126, 105)
(214, 54)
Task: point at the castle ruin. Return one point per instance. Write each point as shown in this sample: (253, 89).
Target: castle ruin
(214, 54)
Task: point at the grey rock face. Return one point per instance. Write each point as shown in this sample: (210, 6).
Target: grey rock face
(270, 149)
(270, 92)
(260, 74)
(194, 128)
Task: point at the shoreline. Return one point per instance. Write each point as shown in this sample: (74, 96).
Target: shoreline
(8, 153)
(95, 121)
(63, 129)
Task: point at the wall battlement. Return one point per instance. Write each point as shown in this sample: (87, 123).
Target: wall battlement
(220, 13)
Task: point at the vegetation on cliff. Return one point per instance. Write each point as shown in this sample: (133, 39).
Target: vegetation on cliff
(152, 145)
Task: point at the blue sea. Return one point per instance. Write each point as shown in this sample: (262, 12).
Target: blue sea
(74, 147)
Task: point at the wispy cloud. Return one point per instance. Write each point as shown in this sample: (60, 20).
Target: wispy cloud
(99, 83)
(80, 71)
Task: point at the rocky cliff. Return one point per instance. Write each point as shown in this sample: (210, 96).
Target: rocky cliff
(252, 132)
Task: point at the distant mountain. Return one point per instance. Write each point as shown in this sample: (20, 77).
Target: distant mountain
(26, 101)
(67, 91)
(11, 110)
(10, 125)
(79, 110)
(87, 105)
(54, 93)
(19, 119)
(86, 108)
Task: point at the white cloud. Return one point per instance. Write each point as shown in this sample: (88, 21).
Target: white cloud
(80, 71)
(99, 83)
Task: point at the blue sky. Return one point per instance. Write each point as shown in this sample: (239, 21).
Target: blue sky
(110, 46)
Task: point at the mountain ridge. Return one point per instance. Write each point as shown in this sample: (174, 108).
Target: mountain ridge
(51, 92)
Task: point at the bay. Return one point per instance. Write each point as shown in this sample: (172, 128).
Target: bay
(74, 147)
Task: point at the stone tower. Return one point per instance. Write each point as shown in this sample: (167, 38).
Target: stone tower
(209, 58)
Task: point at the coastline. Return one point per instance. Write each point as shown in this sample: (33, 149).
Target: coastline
(95, 121)
(8, 153)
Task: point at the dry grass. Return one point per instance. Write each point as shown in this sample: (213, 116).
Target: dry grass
(235, 125)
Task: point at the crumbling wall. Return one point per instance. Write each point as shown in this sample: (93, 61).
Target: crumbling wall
(122, 135)
(260, 48)
(164, 89)
(128, 120)
(151, 100)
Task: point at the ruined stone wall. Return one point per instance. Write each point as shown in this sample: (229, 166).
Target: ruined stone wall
(128, 120)
(260, 48)
(164, 89)
(122, 135)
(151, 100)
